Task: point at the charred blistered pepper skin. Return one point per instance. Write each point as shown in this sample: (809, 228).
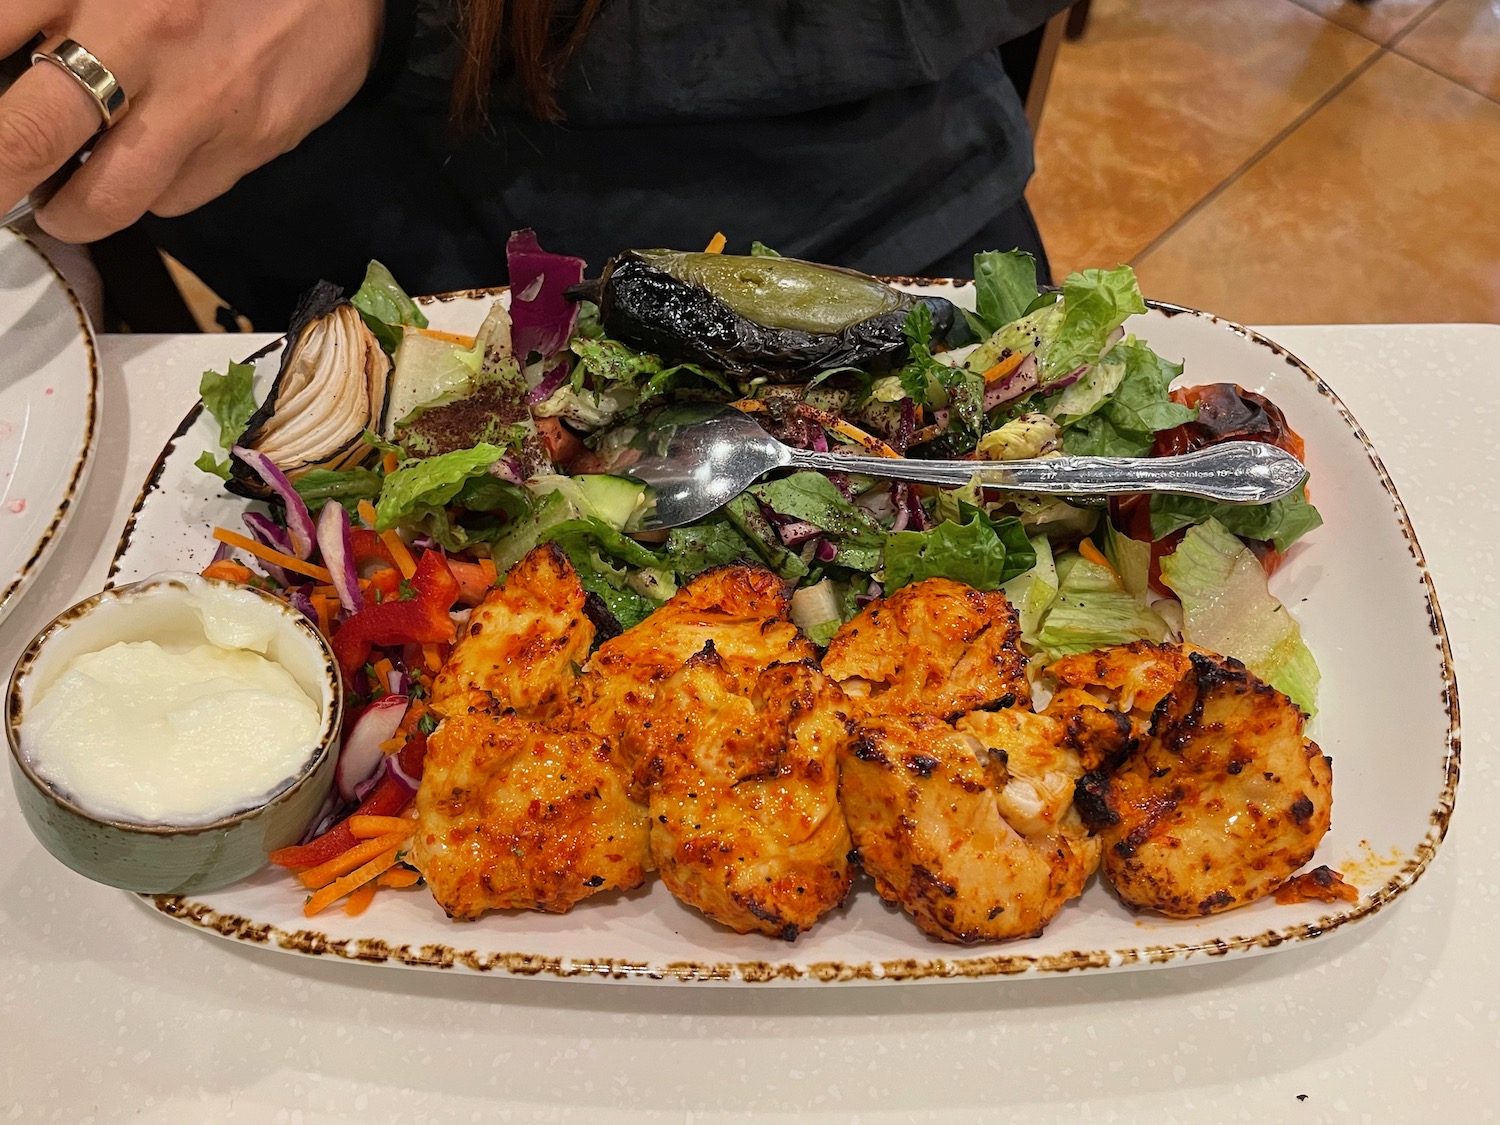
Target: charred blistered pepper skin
(779, 318)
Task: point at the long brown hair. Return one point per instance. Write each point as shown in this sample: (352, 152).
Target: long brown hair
(527, 33)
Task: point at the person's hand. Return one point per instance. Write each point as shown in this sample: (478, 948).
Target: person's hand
(217, 88)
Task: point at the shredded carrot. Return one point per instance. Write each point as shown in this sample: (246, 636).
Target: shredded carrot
(371, 827)
(345, 862)
(271, 555)
(488, 567)
(393, 745)
(404, 562)
(748, 405)
(367, 513)
(399, 877)
(414, 712)
(446, 337)
(383, 670)
(716, 243)
(859, 437)
(228, 570)
(1004, 367)
(327, 896)
(359, 900)
(432, 657)
(1087, 549)
(388, 463)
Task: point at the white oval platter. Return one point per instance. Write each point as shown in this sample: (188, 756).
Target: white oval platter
(1388, 718)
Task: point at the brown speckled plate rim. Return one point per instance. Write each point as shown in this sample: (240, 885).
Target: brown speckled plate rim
(374, 951)
(10, 593)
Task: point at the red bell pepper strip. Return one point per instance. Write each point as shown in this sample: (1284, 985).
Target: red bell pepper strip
(422, 618)
(412, 756)
(388, 798)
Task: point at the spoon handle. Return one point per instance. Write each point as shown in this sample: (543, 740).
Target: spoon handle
(1238, 472)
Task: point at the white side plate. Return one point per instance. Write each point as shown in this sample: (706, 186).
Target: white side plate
(49, 410)
(1388, 718)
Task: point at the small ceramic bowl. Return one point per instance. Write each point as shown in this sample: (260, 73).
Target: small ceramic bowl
(171, 859)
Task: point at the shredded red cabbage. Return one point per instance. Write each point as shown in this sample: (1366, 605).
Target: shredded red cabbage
(842, 482)
(874, 591)
(919, 519)
(222, 552)
(549, 384)
(338, 555)
(826, 551)
(508, 469)
(796, 532)
(541, 316)
(898, 500)
(1012, 386)
(267, 531)
(392, 768)
(299, 521)
(297, 597)
(328, 816)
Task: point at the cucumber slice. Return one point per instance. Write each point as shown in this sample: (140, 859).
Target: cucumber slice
(615, 500)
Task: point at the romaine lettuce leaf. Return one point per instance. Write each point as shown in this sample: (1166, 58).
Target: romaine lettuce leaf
(348, 487)
(1004, 288)
(745, 514)
(385, 307)
(980, 551)
(692, 550)
(229, 400)
(418, 487)
(1125, 424)
(1094, 304)
(1033, 592)
(608, 362)
(1228, 608)
(1033, 333)
(1092, 610)
(1130, 557)
(1281, 522)
(579, 536)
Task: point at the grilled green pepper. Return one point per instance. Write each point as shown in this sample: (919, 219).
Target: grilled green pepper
(782, 318)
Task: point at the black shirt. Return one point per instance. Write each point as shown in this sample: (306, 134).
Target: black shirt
(879, 134)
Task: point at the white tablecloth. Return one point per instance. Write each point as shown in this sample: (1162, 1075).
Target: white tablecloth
(111, 1012)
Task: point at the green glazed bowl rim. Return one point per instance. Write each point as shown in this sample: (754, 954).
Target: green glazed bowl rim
(328, 734)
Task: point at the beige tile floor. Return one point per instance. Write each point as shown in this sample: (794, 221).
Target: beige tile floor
(1282, 161)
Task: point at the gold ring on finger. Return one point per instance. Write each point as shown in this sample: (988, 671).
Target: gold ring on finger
(96, 79)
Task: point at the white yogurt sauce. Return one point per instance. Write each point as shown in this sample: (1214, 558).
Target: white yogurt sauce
(176, 735)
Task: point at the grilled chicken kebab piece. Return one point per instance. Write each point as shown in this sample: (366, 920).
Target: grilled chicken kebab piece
(518, 810)
(968, 826)
(1223, 798)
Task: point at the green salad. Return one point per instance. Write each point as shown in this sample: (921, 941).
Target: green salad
(484, 447)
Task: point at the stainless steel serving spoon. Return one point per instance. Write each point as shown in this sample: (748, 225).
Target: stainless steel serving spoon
(698, 457)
